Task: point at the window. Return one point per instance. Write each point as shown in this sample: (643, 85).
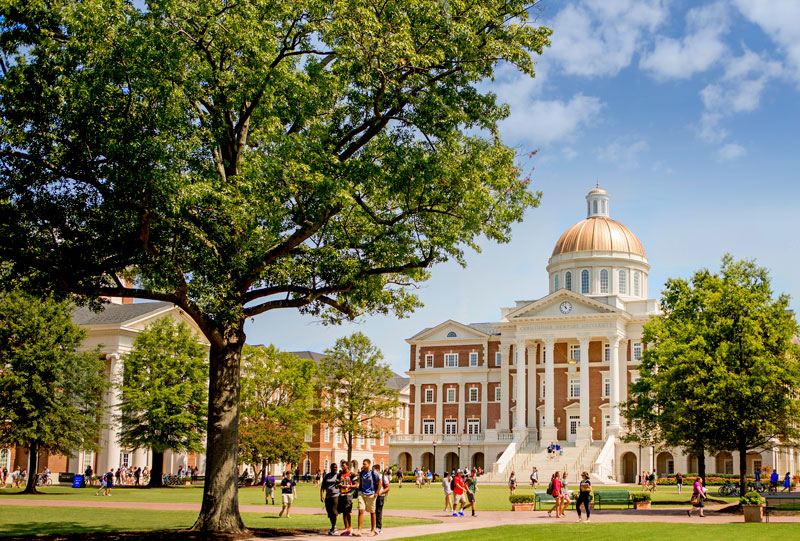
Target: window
(473, 426)
(584, 281)
(429, 360)
(338, 436)
(126, 460)
(473, 394)
(637, 351)
(635, 379)
(623, 284)
(497, 393)
(573, 424)
(636, 284)
(452, 334)
(5, 458)
(555, 281)
(568, 280)
(428, 395)
(604, 281)
(473, 359)
(88, 459)
(497, 359)
(307, 436)
(607, 352)
(451, 360)
(575, 352)
(574, 388)
(428, 426)
(450, 427)
(451, 394)
(327, 465)
(603, 206)
(594, 206)
(606, 387)
(326, 434)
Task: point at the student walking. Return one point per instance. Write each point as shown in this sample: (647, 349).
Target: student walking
(329, 495)
(399, 478)
(368, 487)
(584, 495)
(534, 478)
(787, 482)
(459, 491)
(679, 481)
(472, 491)
(512, 483)
(347, 485)
(288, 494)
(555, 491)
(773, 481)
(698, 495)
(448, 492)
(386, 480)
(269, 488)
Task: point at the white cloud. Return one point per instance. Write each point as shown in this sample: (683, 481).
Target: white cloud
(730, 152)
(569, 153)
(697, 51)
(709, 129)
(593, 38)
(780, 20)
(623, 151)
(547, 121)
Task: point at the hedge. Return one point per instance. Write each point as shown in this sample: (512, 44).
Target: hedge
(522, 498)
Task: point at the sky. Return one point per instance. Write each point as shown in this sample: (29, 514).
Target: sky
(687, 113)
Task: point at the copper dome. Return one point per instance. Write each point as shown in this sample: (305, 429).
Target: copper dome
(598, 233)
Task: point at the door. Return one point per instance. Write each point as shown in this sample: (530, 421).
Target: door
(572, 427)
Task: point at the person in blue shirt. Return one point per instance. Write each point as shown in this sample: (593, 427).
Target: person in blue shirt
(773, 481)
(369, 484)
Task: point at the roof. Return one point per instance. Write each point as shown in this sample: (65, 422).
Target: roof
(598, 233)
(116, 314)
(486, 328)
(313, 355)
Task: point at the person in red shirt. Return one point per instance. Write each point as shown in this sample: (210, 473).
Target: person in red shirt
(557, 490)
(460, 491)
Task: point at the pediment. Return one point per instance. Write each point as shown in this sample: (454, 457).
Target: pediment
(175, 313)
(453, 330)
(550, 307)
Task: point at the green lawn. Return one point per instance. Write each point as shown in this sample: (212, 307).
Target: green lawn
(627, 531)
(27, 521)
(490, 497)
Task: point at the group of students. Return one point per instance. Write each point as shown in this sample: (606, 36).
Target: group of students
(17, 478)
(369, 486)
(459, 491)
(558, 490)
(649, 481)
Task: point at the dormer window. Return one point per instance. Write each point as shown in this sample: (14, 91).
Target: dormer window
(452, 334)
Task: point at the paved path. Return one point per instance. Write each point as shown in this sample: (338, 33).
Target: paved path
(486, 519)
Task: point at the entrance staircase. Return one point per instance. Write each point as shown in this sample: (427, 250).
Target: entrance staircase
(573, 458)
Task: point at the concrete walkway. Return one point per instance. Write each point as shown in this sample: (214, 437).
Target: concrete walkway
(448, 524)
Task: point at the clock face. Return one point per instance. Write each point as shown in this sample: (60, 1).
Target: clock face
(565, 307)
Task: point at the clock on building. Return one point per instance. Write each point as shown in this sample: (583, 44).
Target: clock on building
(565, 307)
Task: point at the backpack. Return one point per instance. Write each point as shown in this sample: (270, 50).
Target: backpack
(550, 488)
(453, 483)
(270, 481)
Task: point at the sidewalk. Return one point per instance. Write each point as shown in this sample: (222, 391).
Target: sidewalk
(448, 524)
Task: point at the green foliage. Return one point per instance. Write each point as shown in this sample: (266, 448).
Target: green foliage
(50, 394)
(352, 385)
(641, 497)
(751, 498)
(164, 398)
(522, 498)
(278, 399)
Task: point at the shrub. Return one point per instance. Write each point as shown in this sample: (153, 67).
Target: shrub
(522, 498)
(641, 497)
(187, 478)
(751, 498)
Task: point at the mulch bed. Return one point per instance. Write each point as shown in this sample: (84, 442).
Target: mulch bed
(166, 535)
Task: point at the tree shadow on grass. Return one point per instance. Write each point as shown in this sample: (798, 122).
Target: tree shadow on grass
(74, 531)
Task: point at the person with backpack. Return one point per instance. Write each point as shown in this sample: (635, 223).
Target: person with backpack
(448, 492)
(554, 490)
(369, 484)
(386, 480)
(584, 496)
(472, 490)
(269, 489)
(329, 495)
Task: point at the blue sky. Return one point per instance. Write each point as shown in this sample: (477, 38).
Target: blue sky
(686, 112)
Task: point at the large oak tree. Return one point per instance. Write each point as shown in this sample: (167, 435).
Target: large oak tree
(236, 157)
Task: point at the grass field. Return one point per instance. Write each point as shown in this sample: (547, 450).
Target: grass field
(627, 531)
(490, 497)
(28, 521)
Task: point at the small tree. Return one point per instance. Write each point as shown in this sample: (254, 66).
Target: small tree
(164, 393)
(277, 403)
(352, 385)
(50, 395)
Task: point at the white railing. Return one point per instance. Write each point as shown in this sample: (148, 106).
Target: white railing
(446, 438)
(603, 466)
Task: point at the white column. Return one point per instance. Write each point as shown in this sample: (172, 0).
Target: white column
(484, 392)
(505, 393)
(417, 409)
(462, 401)
(614, 426)
(110, 447)
(623, 370)
(439, 403)
(522, 415)
(532, 387)
(584, 429)
(549, 432)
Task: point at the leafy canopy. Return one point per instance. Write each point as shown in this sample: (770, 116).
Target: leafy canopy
(164, 389)
(50, 393)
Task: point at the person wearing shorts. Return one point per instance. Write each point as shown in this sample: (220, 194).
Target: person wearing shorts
(472, 489)
(329, 495)
(269, 489)
(347, 486)
(459, 494)
(369, 484)
(288, 493)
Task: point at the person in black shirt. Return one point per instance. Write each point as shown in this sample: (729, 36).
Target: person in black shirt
(329, 494)
(288, 493)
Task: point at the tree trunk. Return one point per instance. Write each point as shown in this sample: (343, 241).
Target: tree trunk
(33, 470)
(742, 466)
(157, 471)
(220, 509)
(701, 466)
(263, 471)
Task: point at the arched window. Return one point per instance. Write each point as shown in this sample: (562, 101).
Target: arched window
(584, 281)
(623, 283)
(594, 206)
(568, 280)
(636, 284)
(604, 281)
(451, 334)
(555, 283)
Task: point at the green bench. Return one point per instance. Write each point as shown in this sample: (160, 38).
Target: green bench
(781, 501)
(611, 496)
(545, 498)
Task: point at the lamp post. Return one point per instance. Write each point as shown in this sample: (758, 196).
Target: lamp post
(459, 455)
(433, 468)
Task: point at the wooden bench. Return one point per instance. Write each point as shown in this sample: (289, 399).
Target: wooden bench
(611, 496)
(781, 501)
